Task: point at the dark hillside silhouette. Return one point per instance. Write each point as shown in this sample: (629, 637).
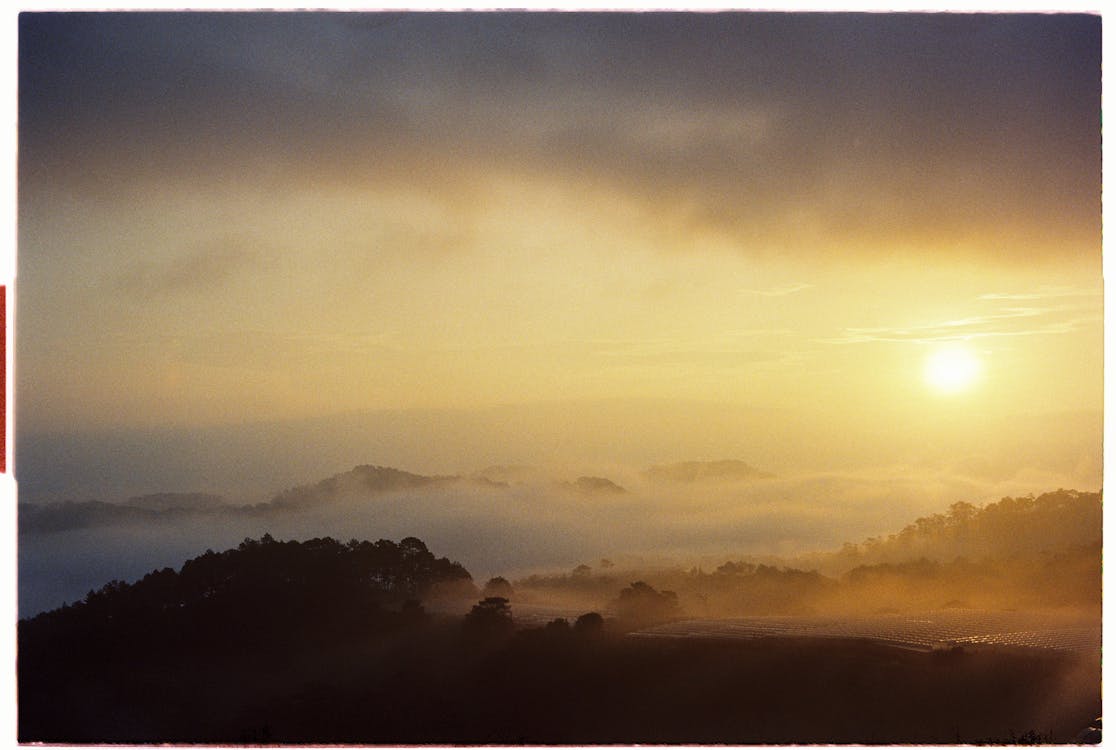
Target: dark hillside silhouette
(410, 678)
(261, 604)
(264, 577)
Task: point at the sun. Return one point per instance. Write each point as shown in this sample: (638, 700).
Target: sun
(952, 369)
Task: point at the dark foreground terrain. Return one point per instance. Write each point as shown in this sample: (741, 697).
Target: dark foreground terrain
(321, 642)
(539, 687)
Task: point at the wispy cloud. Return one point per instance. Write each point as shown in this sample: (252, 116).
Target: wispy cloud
(1052, 292)
(973, 327)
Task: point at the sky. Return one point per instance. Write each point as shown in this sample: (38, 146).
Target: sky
(523, 222)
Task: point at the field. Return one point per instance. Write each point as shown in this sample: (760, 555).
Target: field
(1060, 631)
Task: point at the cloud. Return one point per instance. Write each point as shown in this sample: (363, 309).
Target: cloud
(1050, 292)
(817, 135)
(215, 264)
(1041, 321)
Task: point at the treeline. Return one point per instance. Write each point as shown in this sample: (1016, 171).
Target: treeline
(1011, 527)
(1068, 578)
(733, 589)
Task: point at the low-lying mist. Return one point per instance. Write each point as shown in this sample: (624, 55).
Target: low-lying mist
(513, 522)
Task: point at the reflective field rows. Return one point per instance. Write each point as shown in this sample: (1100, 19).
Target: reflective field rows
(924, 631)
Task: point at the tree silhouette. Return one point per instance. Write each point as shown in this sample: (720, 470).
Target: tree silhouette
(489, 618)
(589, 623)
(640, 604)
(558, 626)
(498, 586)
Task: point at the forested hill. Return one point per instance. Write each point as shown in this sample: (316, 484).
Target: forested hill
(317, 585)
(1023, 552)
(1011, 527)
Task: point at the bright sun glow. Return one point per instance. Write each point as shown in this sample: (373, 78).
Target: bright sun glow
(952, 370)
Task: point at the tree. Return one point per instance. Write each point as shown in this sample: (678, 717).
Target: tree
(640, 604)
(412, 547)
(490, 617)
(557, 626)
(961, 513)
(589, 623)
(498, 586)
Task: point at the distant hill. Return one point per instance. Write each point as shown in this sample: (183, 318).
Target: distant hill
(596, 485)
(706, 471)
(363, 480)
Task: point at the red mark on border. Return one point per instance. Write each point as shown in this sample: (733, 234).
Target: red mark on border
(3, 378)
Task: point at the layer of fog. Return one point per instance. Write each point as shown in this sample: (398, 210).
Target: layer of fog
(248, 463)
(535, 524)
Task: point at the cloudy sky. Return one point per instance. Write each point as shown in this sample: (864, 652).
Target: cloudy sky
(239, 219)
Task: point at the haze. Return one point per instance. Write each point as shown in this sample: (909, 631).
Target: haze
(256, 250)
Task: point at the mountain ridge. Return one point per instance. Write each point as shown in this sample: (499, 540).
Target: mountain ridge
(370, 478)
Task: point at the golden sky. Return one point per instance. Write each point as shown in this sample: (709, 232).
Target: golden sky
(233, 218)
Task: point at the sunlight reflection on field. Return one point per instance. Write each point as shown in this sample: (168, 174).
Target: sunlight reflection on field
(925, 631)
